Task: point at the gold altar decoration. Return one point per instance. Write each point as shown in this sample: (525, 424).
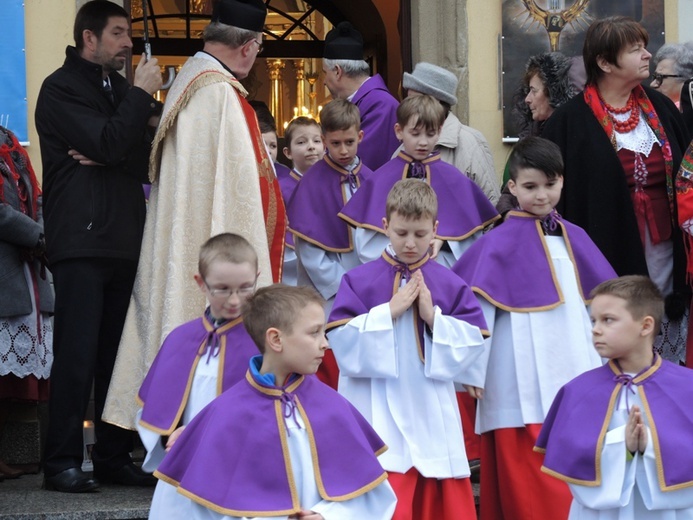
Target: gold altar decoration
(554, 19)
(300, 83)
(275, 68)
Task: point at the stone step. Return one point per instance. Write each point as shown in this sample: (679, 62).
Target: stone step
(23, 499)
(20, 439)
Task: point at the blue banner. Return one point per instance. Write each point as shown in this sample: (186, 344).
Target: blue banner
(13, 102)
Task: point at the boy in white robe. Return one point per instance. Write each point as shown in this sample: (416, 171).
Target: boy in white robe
(280, 443)
(532, 276)
(618, 434)
(404, 329)
(201, 358)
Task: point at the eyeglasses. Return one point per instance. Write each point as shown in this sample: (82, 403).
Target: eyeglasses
(225, 293)
(658, 78)
(259, 45)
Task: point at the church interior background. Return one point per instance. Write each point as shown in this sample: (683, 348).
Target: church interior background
(287, 73)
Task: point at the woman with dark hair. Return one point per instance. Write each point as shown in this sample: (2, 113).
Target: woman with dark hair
(622, 145)
(26, 297)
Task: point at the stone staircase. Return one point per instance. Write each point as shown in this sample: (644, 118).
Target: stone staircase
(23, 499)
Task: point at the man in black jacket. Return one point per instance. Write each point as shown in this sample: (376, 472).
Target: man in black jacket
(95, 133)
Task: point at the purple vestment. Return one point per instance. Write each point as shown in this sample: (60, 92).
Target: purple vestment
(510, 266)
(288, 180)
(165, 390)
(378, 109)
(463, 209)
(575, 428)
(376, 282)
(316, 203)
(233, 457)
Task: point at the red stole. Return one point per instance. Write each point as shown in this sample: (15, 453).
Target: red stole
(272, 202)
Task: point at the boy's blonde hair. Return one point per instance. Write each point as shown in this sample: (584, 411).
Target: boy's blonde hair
(293, 126)
(340, 114)
(421, 111)
(642, 296)
(412, 199)
(226, 247)
(278, 307)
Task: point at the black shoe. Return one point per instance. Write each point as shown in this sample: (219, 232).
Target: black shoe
(475, 470)
(72, 480)
(128, 475)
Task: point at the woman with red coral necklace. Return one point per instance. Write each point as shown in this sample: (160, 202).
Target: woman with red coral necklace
(622, 145)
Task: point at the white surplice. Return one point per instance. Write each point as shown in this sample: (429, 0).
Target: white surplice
(531, 355)
(410, 402)
(630, 488)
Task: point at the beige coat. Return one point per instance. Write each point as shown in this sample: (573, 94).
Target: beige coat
(205, 181)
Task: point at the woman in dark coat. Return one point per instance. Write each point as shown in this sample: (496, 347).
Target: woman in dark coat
(26, 297)
(622, 145)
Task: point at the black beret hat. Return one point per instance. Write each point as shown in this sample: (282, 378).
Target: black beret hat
(244, 14)
(343, 43)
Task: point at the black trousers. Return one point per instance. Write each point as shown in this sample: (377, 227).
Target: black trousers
(91, 302)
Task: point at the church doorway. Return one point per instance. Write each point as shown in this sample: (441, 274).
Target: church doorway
(287, 74)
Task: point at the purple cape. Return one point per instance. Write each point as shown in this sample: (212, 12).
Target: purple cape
(233, 457)
(165, 390)
(288, 180)
(283, 174)
(510, 266)
(378, 109)
(376, 282)
(317, 201)
(463, 209)
(573, 433)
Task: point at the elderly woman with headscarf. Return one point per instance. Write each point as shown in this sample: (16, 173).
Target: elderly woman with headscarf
(622, 145)
(546, 85)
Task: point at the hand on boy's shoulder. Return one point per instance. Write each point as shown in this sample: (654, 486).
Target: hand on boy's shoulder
(436, 246)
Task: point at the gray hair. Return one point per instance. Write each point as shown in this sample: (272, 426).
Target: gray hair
(352, 68)
(681, 55)
(229, 35)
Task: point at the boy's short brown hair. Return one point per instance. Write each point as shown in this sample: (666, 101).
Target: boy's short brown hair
(340, 114)
(294, 124)
(421, 111)
(642, 296)
(226, 247)
(276, 306)
(412, 199)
